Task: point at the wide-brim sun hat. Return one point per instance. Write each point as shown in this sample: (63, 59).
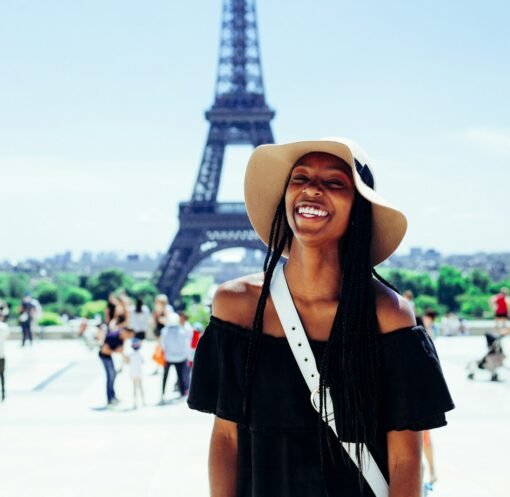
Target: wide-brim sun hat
(268, 171)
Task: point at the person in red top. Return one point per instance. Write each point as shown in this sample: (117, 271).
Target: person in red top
(198, 329)
(501, 305)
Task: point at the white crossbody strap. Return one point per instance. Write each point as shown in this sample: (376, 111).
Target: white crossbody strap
(302, 351)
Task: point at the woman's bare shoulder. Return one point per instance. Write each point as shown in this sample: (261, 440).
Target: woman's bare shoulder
(236, 300)
(394, 312)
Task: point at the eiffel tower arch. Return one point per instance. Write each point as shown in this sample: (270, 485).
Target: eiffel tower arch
(238, 116)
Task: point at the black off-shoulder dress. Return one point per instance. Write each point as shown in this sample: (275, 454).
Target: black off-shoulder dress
(278, 448)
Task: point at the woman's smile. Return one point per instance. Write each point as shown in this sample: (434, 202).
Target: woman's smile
(311, 211)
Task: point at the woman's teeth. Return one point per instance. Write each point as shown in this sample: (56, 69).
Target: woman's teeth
(312, 212)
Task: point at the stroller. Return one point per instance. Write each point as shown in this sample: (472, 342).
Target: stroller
(492, 360)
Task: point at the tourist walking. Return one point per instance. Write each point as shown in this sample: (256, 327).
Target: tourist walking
(121, 314)
(176, 344)
(430, 324)
(111, 307)
(323, 340)
(161, 315)
(140, 318)
(4, 333)
(500, 304)
(198, 330)
(113, 343)
(25, 318)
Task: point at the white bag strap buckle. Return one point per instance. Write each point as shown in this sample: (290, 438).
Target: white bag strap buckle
(315, 399)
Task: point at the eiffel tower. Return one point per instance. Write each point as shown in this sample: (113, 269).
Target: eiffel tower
(238, 116)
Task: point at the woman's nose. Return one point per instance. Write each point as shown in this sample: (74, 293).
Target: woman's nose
(312, 189)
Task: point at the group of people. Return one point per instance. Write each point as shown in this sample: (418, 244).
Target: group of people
(28, 312)
(449, 325)
(127, 326)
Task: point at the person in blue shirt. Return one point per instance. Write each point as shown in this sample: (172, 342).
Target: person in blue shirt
(176, 343)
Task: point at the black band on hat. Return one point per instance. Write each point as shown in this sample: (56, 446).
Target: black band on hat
(365, 174)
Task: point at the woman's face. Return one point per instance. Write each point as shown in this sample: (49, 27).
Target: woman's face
(319, 198)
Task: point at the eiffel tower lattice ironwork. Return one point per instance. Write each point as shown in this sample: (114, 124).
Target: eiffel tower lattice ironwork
(239, 115)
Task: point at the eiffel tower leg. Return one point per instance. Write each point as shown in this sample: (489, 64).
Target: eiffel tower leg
(208, 180)
(179, 261)
(206, 236)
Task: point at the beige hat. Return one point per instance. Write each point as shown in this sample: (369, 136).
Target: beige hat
(269, 168)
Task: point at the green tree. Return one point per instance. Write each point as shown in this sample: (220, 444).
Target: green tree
(4, 286)
(106, 282)
(46, 292)
(198, 314)
(83, 280)
(474, 304)
(49, 319)
(145, 290)
(91, 309)
(66, 279)
(426, 302)
(479, 279)
(395, 277)
(197, 285)
(450, 284)
(405, 279)
(77, 296)
(19, 285)
(496, 286)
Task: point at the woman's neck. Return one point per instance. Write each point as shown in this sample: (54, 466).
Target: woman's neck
(313, 274)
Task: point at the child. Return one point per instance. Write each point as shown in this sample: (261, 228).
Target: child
(135, 369)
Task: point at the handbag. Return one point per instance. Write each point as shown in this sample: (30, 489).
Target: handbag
(302, 351)
(159, 355)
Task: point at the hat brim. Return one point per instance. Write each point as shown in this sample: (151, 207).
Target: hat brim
(266, 176)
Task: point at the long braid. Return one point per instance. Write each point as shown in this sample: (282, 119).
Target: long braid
(350, 362)
(275, 249)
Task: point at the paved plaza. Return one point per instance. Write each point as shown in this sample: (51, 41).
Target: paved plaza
(57, 440)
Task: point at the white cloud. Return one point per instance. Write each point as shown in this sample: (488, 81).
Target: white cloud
(495, 141)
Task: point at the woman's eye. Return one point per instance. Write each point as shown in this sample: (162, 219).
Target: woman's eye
(335, 183)
(299, 179)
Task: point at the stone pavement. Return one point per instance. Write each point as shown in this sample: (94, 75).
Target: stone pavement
(57, 440)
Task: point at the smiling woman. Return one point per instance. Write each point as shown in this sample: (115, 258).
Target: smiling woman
(324, 327)
(318, 199)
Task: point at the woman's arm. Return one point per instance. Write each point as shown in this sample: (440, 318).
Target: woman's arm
(404, 463)
(223, 459)
(106, 349)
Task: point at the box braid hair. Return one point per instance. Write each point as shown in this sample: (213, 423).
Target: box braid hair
(350, 363)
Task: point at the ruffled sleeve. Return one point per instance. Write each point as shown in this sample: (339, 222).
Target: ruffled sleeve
(415, 393)
(217, 379)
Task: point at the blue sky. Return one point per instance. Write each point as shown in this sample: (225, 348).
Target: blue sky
(102, 102)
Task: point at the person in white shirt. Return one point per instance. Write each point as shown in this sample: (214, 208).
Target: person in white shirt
(136, 371)
(140, 318)
(176, 343)
(4, 332)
